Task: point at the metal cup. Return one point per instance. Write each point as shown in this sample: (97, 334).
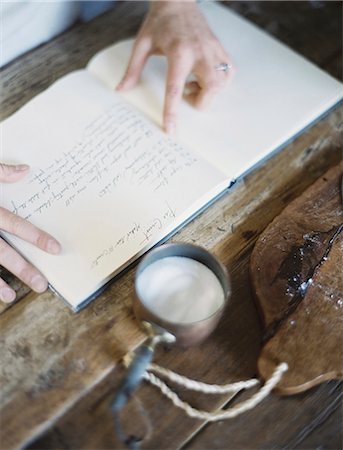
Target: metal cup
(192, 333)
(159, 328)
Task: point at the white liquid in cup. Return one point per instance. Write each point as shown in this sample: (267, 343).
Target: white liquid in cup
(180, 290)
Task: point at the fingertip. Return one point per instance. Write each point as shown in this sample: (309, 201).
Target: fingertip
(200, 106)
(120, 86)
(127, 83)
(12, 173)
(7, 295)
(202, 102)
(21, 167)
(139, 55)
(54, 246)
(39, 283)
(170, 128)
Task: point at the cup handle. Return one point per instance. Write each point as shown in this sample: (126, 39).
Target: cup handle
(133, 377)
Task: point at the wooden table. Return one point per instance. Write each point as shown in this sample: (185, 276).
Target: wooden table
(59, 369)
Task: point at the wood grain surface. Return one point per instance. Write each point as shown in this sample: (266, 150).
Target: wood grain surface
(59, 370)
(298, 284)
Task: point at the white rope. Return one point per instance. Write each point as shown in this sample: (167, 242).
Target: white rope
(228, 414)
(203, 387)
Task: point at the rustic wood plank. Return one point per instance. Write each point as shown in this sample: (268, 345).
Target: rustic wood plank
(59, 369)
(334, 66)
(312, 28)
(279, 423)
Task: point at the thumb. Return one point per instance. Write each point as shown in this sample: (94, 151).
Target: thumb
(12, 173)
(140, 54)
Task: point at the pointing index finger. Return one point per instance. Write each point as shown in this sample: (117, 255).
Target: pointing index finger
(178, 70)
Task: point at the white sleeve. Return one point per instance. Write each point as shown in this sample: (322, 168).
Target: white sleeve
(27, 24)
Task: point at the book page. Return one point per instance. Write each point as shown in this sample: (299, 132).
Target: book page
(104, 181)
(273, 94)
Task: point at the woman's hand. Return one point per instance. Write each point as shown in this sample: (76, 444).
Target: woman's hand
(179, 31)
(14, 224)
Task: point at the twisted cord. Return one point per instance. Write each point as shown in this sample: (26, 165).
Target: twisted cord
(228, 414)
(203, 387)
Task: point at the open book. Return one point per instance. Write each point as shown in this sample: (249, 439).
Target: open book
(109, 185)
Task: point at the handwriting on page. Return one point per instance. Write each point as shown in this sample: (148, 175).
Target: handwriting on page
(117, 147)
(142, 232)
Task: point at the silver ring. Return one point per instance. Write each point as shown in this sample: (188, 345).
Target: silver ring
(225, 67)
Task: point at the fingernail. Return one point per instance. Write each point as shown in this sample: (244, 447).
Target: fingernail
(53, 246)
(120, 86)
(21, 167)
(39, 283)
(7, 295)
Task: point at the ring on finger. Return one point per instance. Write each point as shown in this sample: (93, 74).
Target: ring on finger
(223, 67)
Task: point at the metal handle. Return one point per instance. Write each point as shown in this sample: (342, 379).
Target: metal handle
(139, 364)
(133, 377)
